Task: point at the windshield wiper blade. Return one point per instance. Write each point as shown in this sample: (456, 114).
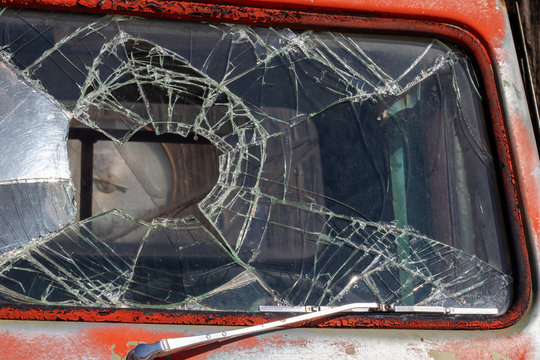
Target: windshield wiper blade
(170, 346)
(444, 310)
(390, 308)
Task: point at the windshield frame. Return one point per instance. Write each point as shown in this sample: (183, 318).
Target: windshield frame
(322, 21)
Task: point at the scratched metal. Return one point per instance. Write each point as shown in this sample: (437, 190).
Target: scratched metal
(346, 174)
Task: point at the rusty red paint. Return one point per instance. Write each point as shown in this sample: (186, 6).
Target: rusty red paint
(526, 147)
(114, 342)
(417, 17)
(461, 12)
(515, 347)
(464, 13)
(96, 343)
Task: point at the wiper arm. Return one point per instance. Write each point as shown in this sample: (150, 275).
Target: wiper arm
(419, 309)
(170, 346)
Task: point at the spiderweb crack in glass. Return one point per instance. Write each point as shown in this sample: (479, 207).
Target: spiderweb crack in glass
(291, 221)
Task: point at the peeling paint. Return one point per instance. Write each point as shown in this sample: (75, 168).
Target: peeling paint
(99, 343)
(443, 355)
(114, 355)
(516, 347)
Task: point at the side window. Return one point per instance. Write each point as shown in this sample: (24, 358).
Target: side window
(179, 165)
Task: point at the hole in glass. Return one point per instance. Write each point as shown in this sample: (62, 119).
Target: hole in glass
(149, 177)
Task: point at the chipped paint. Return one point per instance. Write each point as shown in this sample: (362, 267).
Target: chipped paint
(459, 12)
(515, 347)
(95, 343)
(443, 355)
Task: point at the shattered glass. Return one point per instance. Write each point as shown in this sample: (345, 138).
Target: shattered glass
(348, 168)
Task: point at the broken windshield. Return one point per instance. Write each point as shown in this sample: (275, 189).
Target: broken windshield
(225, 167)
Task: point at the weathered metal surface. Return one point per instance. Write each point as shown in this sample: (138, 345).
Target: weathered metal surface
(27, 340)
(486, 21)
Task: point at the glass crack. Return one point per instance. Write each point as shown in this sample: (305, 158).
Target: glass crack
(347, 173)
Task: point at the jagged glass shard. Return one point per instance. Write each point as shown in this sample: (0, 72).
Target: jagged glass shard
(125, 262)
(352, 168)
(31, 209)
(243, 293)
(34, 129)
(178, 260)
(35, 192)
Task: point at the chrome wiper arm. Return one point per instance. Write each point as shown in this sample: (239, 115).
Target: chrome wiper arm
(417, 309)
(169, 346)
